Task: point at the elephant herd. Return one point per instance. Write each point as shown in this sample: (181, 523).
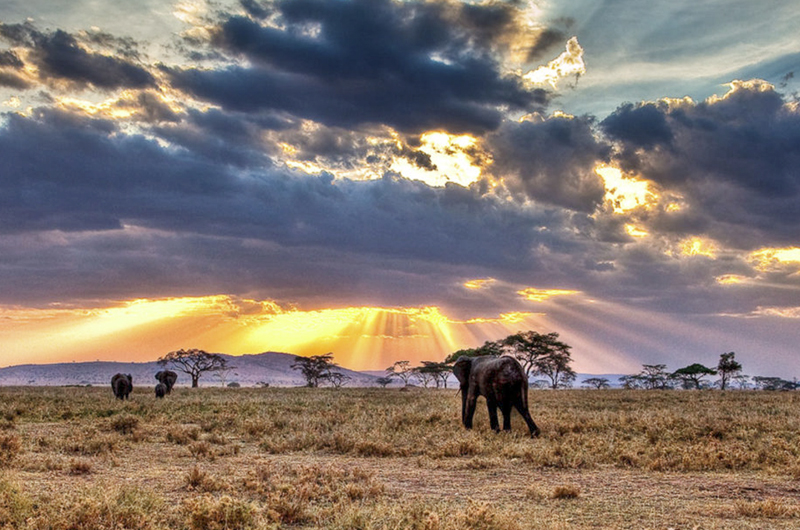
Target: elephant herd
(122, 384)
(500, 380)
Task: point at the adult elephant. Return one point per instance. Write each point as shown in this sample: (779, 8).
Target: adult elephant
(122, 384)
(167, 378)
(502, 381)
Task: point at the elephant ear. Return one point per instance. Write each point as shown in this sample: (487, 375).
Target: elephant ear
(159, 374)
(462, 368)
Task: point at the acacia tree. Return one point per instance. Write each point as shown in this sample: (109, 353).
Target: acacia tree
(655, 377)
(401, 369)
(383, 381)
(436, 372)
(338, 379)
(596, 382)
(727, 369)
(315, 369)
(693, 376)
(528, 346)
(194, 362)
(555, 365)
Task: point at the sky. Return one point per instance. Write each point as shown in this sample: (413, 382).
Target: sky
(398, 179)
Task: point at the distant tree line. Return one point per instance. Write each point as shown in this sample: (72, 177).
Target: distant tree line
(697, 376)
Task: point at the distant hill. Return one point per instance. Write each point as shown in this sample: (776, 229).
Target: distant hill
(248, 370)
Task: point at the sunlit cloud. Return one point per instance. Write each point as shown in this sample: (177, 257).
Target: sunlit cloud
(568, 64)
(731, 279)
(541, 295)
(479, 283)
(698, 246)
(781, 312)
(624, 193)
(635, 231)
(772, 259)
(453, 159)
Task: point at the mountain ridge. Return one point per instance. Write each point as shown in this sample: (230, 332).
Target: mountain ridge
(273, 368)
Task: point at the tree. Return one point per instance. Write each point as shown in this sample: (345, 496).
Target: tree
(194, 362)
(488, 348)
(401, 369)
(383, 381)
(632, 382)
(315, 369)
(727, 369)
(528, 346)
(223, 374)
(596, 382)
(655, 377)
(436, 372)
(773, 383)
(423, 376)
(693, 375)
(555, 366)
(338, 379)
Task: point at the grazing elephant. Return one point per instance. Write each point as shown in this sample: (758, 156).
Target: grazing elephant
(161, 390)
(502, 381)
(122, 384)
(168, 378)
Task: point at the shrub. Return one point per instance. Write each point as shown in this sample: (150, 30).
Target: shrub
(566, 492)
(225, 513)
(125, 423)
(10, 447)
(80, 467)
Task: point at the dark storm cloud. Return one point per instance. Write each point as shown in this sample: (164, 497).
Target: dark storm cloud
(411, 65)
(75, 174)
(58, 55)
(638, 126)
(735, 161)
(551, 161)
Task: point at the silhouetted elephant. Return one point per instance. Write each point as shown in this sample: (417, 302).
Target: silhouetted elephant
(161, 390)
(502, 381)
(168, 378)
(122, 384)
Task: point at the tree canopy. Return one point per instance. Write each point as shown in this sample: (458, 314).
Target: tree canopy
(194, 362)
(316, 368)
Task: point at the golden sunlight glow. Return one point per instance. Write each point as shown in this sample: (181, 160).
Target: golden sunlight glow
(479, 284)
(143, 330)
(125, 105)
(772, 259)
(454, 158)
(635, 231)
(730, 279)
(570, 63)
(540, 295)
(623, 192)
(696, 246)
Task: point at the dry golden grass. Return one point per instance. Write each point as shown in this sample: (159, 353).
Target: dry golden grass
(76, 458)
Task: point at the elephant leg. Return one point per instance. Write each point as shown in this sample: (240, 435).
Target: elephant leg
(506, 410)
(470, 410)
(492, 406)
(523, 410)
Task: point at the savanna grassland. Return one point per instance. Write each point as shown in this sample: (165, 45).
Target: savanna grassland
(75, 458)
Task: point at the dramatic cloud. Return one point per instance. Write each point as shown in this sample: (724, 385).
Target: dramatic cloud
(413, 66)
(733, 160)
(551, 160)
(60, 56)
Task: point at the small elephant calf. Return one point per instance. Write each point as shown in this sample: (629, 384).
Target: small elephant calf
(161, 390)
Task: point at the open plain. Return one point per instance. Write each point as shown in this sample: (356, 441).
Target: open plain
(76, 458)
